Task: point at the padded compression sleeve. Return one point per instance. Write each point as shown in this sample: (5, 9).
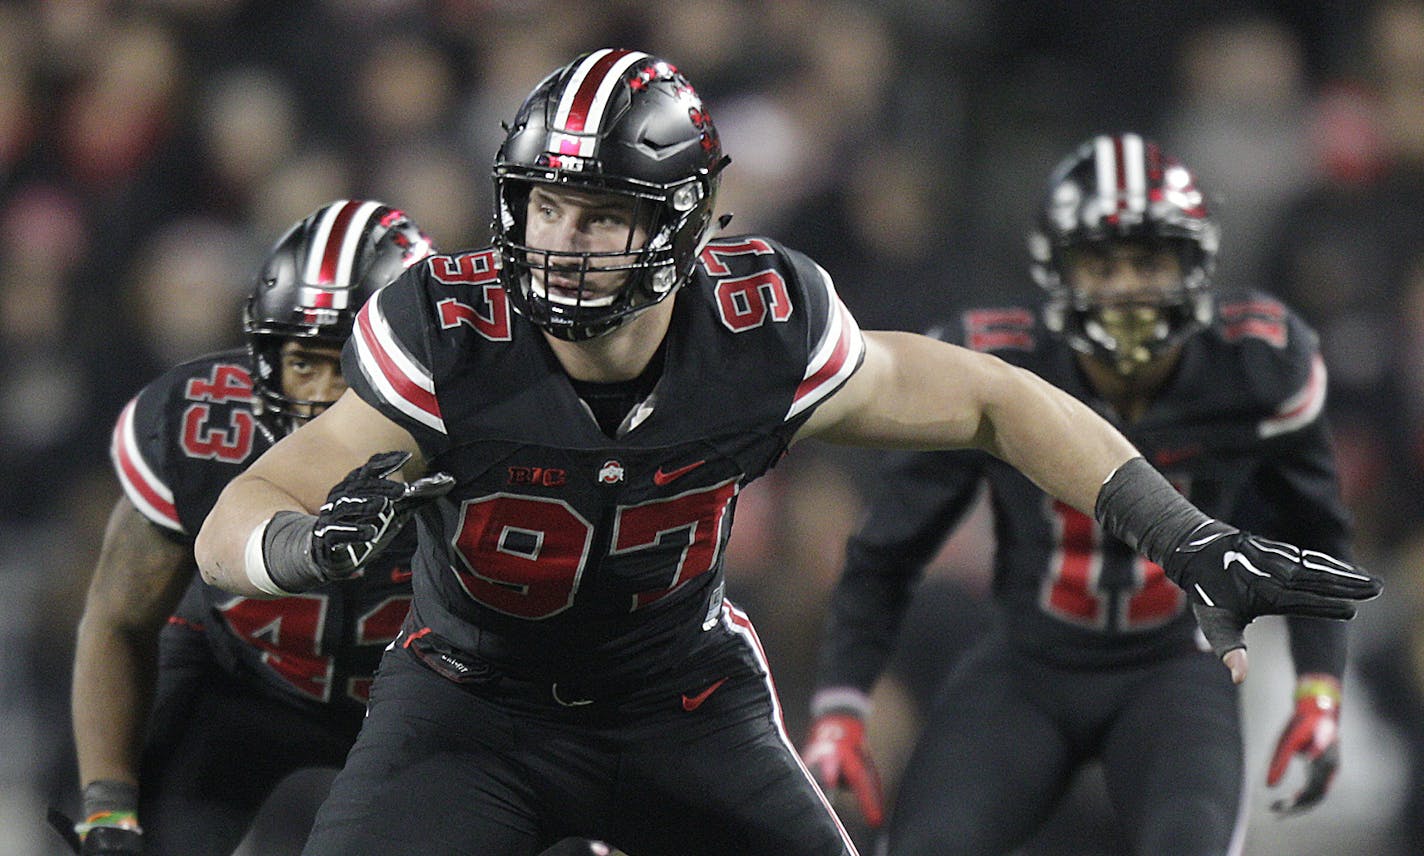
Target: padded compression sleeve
(1142, 509)
(286, 552)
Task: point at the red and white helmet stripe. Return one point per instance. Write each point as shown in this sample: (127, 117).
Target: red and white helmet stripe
(1121, 173)
(585, 99)
(331, 258)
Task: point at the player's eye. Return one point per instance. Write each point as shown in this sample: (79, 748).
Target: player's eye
(608, 218)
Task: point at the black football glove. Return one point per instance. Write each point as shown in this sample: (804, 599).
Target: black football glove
(1231, 577)
(95, 839)
(365, 511)
(112, 841)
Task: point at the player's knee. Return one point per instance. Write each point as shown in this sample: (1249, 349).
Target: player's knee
(934, 837)
(1193, 826)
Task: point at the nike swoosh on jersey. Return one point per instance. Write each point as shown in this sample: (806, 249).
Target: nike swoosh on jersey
(662, 477)
(691, 703)
(401, 575)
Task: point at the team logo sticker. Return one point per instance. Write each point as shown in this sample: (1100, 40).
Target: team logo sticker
(611, 472)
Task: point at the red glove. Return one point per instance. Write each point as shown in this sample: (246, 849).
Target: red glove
(838, 757)
(1314, 734)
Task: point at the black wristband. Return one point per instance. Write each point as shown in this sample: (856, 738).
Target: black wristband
(1142, 509)
(286, 550)
(103, 796)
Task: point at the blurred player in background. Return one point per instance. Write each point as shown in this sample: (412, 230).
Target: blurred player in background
(1093, 653)
(190, 708)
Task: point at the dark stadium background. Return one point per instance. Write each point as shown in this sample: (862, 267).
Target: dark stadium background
(150, 152)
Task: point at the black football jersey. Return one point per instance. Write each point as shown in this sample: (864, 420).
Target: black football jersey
(175, 446)
(1237, 429)
(564, 551)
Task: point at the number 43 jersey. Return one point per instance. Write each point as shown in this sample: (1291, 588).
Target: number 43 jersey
(1237, 429)
(175, 446)
(562, 551)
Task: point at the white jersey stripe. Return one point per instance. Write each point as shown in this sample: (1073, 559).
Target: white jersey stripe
(145, 490)
(402, 382)
(836, 357)
(737, 622)
(1302, 408)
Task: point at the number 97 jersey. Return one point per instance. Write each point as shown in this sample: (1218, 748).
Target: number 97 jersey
(175, 447)
(562, 549)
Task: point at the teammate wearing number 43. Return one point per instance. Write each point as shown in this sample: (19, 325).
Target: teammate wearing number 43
(570, 665)
(190, 708)
(1092, 652)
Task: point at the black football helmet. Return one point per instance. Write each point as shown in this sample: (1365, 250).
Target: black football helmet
(1124, 188)
(313, 282)
(612, 121)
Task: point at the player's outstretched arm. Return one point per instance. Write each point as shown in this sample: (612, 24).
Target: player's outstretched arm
(296, 475)
(138, 580)
(913, 391)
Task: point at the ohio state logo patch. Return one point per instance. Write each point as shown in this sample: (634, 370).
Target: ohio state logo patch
(611, 472)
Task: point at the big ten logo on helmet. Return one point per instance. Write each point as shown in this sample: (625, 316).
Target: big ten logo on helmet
(572, 163)
(541, 476)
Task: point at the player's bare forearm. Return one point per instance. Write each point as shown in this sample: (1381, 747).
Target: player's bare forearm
(294, 475)
(1054, 439)
(111, 696)
(137, 583)
(917, 392)
(243, 506)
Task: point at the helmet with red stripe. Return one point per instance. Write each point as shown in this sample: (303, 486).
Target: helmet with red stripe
(613, 121)
(1124, 189)
(313, 282)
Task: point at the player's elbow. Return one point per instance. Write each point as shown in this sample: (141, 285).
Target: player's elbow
(212, 553)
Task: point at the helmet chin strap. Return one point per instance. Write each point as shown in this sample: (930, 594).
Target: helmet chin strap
(716, 229)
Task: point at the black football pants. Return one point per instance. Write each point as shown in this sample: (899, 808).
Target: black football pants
(1007, 733)
(443, 769)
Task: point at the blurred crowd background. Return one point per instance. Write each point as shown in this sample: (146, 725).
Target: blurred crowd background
(150, 152)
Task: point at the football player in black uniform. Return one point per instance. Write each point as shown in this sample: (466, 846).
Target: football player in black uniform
(572, 413)
(232, 693)
(1093, 654)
